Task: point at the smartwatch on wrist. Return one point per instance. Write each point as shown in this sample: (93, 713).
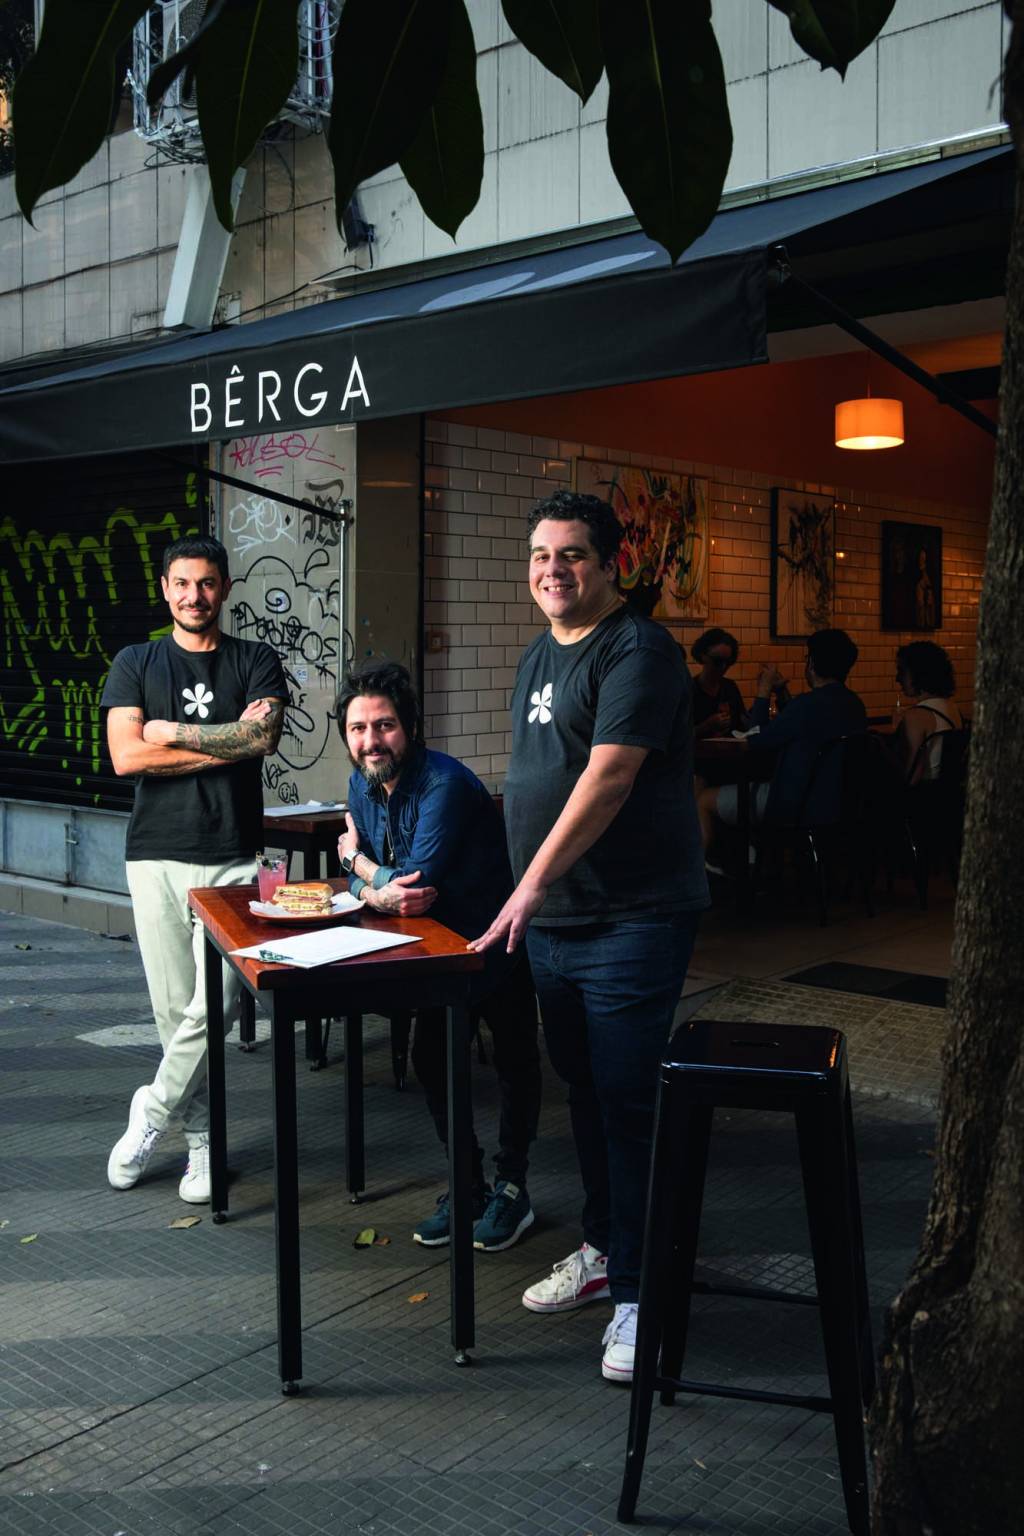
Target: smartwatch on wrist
(348, 862)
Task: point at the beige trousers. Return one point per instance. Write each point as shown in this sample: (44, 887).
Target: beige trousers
(171, 944)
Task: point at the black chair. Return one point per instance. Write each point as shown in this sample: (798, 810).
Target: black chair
(865, 796)
(934, 808)
(802, 1071)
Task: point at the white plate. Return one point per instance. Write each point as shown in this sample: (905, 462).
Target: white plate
(343, 905)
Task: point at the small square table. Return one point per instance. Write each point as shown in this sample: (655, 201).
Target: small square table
(437, 970)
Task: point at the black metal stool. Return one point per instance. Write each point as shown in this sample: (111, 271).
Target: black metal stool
(787, 1067)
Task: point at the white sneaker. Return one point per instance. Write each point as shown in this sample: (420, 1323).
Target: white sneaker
(127, 1162)
(195, 1186)
(620, 1344)
(574, 1281)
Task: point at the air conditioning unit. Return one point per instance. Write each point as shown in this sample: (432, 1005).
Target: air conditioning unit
(168, 26)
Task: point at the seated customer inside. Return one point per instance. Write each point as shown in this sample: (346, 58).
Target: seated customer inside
(800, 791)
(717, 702)
(925, 676)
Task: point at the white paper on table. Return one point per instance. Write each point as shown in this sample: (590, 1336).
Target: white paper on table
(324, 945)
(755, 730)
(308, 808)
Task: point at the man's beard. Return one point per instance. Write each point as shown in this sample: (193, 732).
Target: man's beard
(196, 623)
(382, 772)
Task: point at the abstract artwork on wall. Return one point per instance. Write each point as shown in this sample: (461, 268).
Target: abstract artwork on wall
(803, 554)
(911, 576)
(663, 558)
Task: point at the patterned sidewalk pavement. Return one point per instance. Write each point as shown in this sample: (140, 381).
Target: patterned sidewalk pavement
(138, 1381)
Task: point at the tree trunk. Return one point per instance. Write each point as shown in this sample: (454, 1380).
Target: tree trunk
(948, 1422)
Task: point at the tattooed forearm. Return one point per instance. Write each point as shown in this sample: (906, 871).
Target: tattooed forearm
(171, 770)
(236, 740)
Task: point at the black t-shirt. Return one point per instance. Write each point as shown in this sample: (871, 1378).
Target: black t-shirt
(728, 697)
(217, 813)
(624, 684)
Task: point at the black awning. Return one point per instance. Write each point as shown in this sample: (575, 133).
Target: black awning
(609, 311)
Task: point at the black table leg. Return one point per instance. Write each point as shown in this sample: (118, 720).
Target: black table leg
(286, 1201)
(355, 1133)
(314, 1027)
(215, 1083)
(460, 1178)
(247, 1022)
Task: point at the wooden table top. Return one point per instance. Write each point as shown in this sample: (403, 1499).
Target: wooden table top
(316, 821)
(224, 912)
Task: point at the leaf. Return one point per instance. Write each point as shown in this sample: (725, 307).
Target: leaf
(388, 63)
(64, 96)
(669, 136)
(365, 1238)
(4, 1224)
(564, 35)
(834, 31)
(30, 1239)
(419, 1296)
(245, 71)
(444, 164)
(23, 946)
(184, 1221)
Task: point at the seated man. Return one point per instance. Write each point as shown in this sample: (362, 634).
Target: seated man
(827, 710)
(424, 835)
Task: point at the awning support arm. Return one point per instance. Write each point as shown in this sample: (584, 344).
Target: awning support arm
(339, 512)
(875, 343)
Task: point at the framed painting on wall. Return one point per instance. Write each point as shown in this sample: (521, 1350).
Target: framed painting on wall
(802, 566)
(911, 576)
(663, 558)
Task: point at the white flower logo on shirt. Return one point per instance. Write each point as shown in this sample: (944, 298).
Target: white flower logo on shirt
(198, 700)
(541, 706)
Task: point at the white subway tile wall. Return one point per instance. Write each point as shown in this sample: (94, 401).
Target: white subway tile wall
(480, 486)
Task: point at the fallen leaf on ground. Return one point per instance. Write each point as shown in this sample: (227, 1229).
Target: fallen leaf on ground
(419, 1295)
(23, 946)
(699, 1463)
(4, 1224)
(31, 1238)
(365, 1238)
(185, 1221)
(381, 1242)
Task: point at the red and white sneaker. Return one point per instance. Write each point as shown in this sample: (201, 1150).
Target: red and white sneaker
(574, 1281)
(620, 1344)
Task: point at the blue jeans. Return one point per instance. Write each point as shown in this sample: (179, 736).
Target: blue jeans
(607, 995)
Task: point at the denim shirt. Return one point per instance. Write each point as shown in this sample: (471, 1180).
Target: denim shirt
(440, 820)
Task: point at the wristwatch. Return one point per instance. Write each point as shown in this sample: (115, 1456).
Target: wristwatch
(348, 862)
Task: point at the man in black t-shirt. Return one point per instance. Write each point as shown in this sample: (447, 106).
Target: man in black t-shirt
(606, 852)
(192, 715)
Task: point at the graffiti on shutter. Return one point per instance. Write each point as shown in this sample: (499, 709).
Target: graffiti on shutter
(81, 554)
(287, 570)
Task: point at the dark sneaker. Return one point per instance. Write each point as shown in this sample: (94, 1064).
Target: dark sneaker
(436, 1230)
(506, 1218)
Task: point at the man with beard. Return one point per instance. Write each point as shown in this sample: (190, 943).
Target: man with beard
(423, 834)
(191, 714)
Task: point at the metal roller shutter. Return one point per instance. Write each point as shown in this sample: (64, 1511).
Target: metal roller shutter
(81, 551)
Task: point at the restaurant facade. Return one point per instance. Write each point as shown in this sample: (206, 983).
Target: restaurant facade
(369, 460)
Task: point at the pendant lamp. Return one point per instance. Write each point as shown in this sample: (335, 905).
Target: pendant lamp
(873, 422)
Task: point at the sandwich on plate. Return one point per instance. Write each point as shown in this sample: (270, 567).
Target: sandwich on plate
(304, 898)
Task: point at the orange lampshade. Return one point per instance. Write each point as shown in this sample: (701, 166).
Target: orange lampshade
(869, 423)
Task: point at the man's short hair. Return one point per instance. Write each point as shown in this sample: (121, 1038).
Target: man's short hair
(929, 668)
(832, 654)
(197, 546)
(384, 679)
(574, 507)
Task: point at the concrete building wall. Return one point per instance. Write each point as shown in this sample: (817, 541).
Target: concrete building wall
(97, 264)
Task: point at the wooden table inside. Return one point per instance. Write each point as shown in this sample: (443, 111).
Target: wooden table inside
(736, 761)
(311, 835)
(436, 970)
